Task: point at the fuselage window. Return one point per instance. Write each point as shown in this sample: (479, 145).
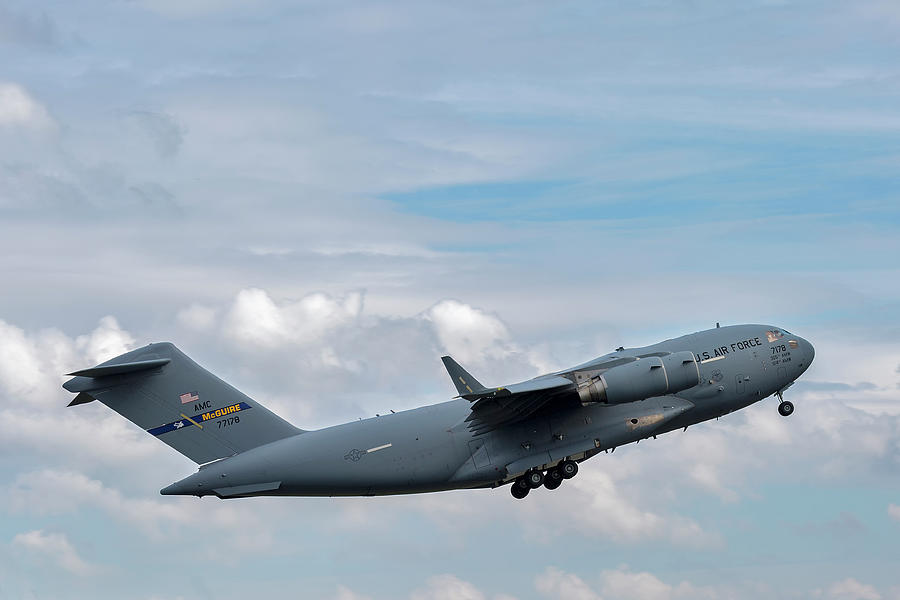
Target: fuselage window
(774, 335)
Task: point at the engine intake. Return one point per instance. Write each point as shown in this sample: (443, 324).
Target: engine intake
(643, 378)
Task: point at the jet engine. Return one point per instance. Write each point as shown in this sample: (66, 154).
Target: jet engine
(642, 378)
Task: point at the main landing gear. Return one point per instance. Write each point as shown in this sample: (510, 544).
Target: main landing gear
(553, 479)
(535, 478)
(786, 407)
(519, 489)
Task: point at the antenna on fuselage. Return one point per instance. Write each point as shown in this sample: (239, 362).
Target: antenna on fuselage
(717, 324)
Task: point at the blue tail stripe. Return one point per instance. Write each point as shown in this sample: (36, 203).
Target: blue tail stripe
(207, 416)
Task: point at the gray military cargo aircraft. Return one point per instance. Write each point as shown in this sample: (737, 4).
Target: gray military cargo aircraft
(530, 434)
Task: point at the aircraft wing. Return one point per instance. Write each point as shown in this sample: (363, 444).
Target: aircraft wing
(493, 407)
(471, 389)
(515, 402)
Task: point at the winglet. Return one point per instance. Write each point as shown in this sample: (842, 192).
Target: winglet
(465, 383)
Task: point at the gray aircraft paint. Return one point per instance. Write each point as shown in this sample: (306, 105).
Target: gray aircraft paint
(245, 450)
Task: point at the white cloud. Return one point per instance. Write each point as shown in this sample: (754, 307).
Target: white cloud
(559, 585)
(20, 365)
(894, 512)
(468, 333)
(712, 457)
(624, 584)
(32, 365)
(345, 593)
(447, 587)
(82, 436)
(51, 492)
(438, 587)
(621, 584)
(607, 511)
(108, 340)
(18, 108)
(638, 586)
(197, 317)
(255, 318)
(329, 344)
(55, 547)
(851, 589)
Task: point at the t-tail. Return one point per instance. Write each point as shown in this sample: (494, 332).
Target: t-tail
(164, 392)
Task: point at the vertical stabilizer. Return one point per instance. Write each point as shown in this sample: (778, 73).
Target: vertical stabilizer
(164, 392)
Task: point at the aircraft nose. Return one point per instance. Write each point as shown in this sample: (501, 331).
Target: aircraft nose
(808, 351)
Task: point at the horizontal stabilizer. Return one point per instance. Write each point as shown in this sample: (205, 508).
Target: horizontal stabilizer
(81, 398)
(121, 368)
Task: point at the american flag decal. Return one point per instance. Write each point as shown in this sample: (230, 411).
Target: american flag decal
(189, 397)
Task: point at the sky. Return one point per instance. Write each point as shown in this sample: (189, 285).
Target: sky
(316, 200)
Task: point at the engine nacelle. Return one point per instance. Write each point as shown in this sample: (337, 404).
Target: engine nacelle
(643, 378)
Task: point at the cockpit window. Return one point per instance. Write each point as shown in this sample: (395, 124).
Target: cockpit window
(774, 335)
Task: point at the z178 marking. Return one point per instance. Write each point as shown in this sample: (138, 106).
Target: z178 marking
(228, 421)
(777, 349)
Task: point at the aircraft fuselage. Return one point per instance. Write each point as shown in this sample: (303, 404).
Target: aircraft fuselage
(432, 448)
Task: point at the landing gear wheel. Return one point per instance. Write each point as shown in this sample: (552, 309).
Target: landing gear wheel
(553, 478)
(518, 490)
(568, 469)
(534, 479)
(786, 408)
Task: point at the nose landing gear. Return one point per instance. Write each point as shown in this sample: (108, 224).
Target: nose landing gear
(786, 407)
